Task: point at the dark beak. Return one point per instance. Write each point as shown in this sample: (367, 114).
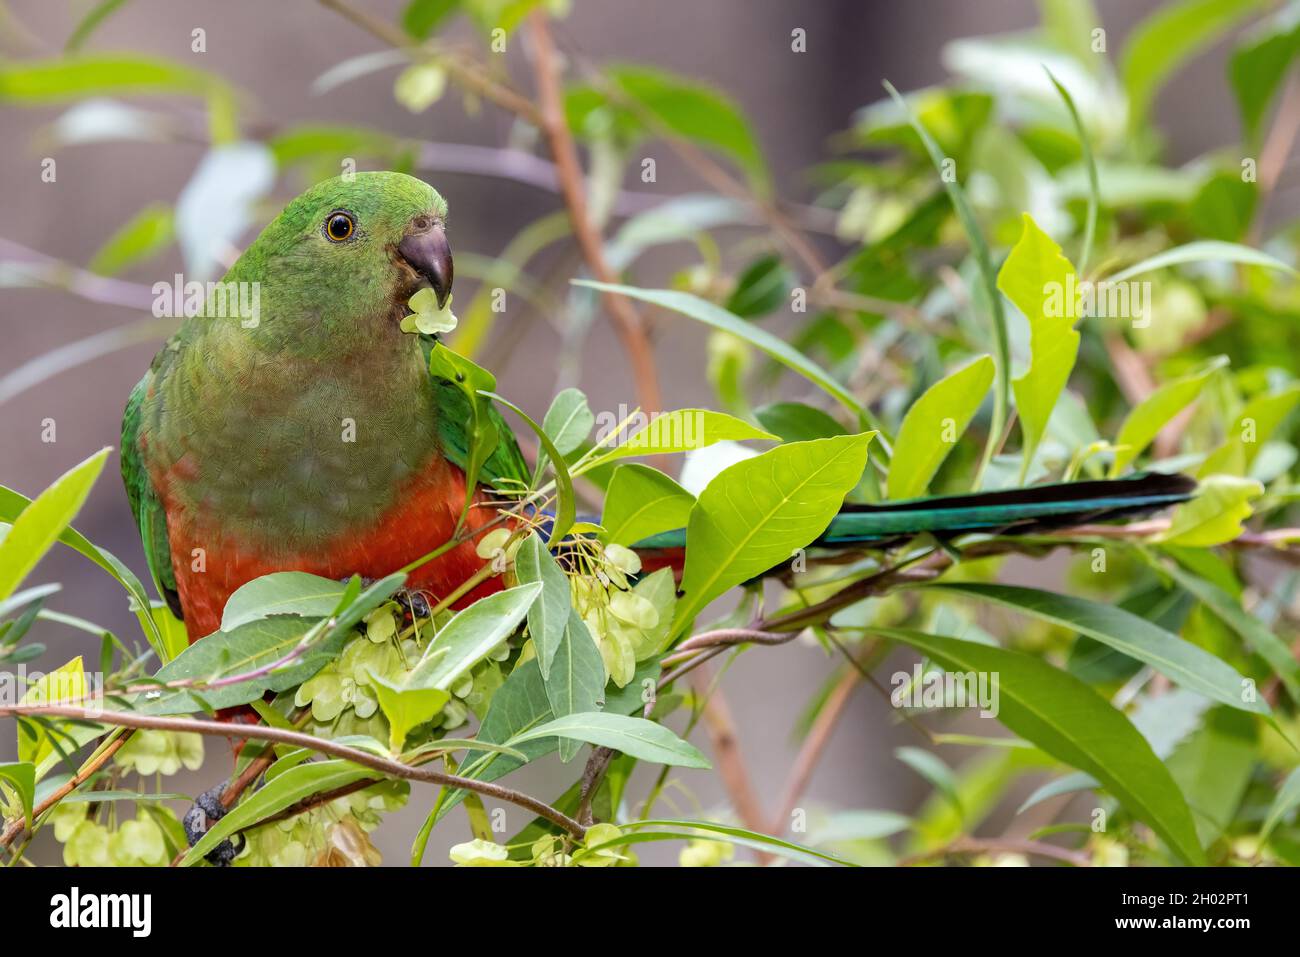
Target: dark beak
(428, 253)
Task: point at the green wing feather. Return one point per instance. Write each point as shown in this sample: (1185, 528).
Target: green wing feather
(145, 505)
(505, 467)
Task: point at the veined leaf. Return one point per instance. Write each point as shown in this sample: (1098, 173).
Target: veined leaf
(1071, 722)
(39, 525)
(66, 685)
(1184, 663)
(797, 422)
(642, 501)
(466, 640)
(406, 708)
(284, 790)
(149, 232)
(1151, 415)
(1256, 423)
(282, 593)
(568, 420)
(640, 832)
(637, 737)
(1203, 250)
(933, 425)
(1160, 44)
(682, 430)
(717, 317)
(1215, 515)
(21, 776)
(754, 514)
(1259, 63)
(1287, 799)
(576, 683)
(1041, 282)
(1228, 610)
(547, 615)
(984, 262)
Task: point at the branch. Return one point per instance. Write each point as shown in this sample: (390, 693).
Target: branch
(464, 72)
(87, 771)
(1000, 845)
(627, 321)
(299, 739)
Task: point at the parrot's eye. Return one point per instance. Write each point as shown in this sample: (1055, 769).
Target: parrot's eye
(339, 226)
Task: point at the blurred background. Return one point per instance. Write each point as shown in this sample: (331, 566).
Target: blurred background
(275, 52)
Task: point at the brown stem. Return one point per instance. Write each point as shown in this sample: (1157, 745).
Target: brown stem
(996, 845)
(299, 739)
(86, 772)
(466, 74)
(627, 322)
(813, 746)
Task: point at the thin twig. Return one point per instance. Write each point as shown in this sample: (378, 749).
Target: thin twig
(299, 739)
(86, 772)
(627, 322)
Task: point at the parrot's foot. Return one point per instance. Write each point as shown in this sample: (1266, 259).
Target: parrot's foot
(206, 811)
(414, 603)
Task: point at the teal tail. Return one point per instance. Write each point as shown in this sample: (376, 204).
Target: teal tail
(1019, 511)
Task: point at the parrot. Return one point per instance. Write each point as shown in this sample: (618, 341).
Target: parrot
(313, 436)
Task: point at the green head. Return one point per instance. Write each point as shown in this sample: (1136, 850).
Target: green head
(338, 264)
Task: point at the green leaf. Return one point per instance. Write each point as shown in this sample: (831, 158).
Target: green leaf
(568, 421)
(476, 383)
(1038, 279)
(1259, 63)
(22, 775)
(12, 504)
(93, 18)
(1071, 722)
(421, 17)
(642, 501)
(1203, 250)
(576, 683)
(148, 233)
(1224, 206)
(797, 422)
(637, 737)
(682, 430)
(1253, 631)
(651, 102)
(933, 425)
(1253, 426)
(706, 312)
(1287, 799)
(466, 640)
(548, 615)
(754, 514)
(1213, 768)
(225, 655)
(639, 832)
(66, 684)
(1215, 514)
(282, 593)
(1089, 161)
(1151, 415)
(761, 288)
(1160, 44)
(984, 262)
(931, 767)
(39, 525)
(406, 707)
(35, 82)
(1182, 662)
(565, 507)
(285, 790)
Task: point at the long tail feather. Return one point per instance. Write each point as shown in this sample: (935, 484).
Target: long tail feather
(1017, 511)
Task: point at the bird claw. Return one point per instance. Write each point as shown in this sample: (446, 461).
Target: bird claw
(206, 811)
(413, 603)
